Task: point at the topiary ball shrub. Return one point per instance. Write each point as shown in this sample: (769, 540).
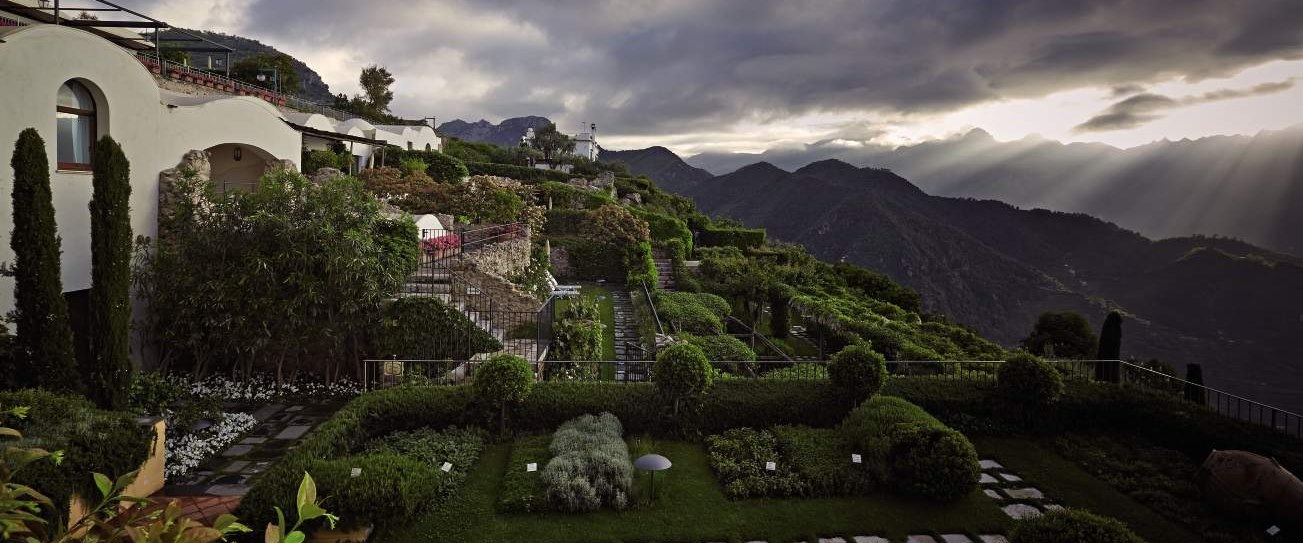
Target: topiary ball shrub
(932, 462)
(1072, 526)
(502, 381)
(682, 372)
(858, 372)
(1027, 379)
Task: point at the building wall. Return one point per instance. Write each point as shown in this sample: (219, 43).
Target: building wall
(155, 128)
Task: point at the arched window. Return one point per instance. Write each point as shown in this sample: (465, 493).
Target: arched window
(427, 147)
(76, 129)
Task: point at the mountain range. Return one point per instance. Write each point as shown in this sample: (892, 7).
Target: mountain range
(1233, 307)
(1248, 187)
(504, 134)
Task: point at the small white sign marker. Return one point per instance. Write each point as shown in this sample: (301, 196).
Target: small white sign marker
(771, 466)
(857, 459)
(446, 467)
(531, 467)
(1273, 530)
(355, 472)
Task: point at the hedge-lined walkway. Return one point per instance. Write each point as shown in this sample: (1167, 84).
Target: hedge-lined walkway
(690, 506)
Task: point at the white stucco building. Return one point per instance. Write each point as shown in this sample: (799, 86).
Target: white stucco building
(73, 85)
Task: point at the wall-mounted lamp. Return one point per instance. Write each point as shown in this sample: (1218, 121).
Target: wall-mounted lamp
(239, 153)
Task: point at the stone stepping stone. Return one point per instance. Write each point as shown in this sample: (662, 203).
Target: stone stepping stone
(1024, 493)
(1053, 507)
(1010, 477)
(868, 539)
(955, 538)
(991, 464)
(236, 466)
(237, 450)
(253, 441)
(920, 539)
(987, 479)
(227, 490)
(266, 411)
(1019, 511)
(832, 540)
(293, 432)
(991, 493)
(993, 539)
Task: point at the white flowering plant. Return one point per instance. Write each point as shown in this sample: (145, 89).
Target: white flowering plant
(188, 450)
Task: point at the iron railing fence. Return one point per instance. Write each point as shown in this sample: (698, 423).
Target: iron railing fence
(388, 373)
(227, 85)
(522, 331)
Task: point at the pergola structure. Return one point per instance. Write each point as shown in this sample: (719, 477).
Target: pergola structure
(146, 32)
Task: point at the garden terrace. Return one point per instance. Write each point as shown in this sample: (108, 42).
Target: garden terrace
(1037, 467)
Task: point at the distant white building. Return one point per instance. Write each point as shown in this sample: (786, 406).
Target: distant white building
(585, 144)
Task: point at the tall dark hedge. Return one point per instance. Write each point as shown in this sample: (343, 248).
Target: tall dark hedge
(110, 288)
(1110, 338)
(44, 353)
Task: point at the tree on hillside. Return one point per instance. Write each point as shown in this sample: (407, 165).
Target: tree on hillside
(110, 292)
(44, 351)
(1110, 347)
(1064, 335)
(248, 68)
(375, 82)
(552, 143)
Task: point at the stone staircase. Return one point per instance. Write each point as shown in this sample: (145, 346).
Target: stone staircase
(664, 273)
(626, 339)
(431, 281)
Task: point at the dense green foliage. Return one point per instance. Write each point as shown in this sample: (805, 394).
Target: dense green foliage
(107, 442)
(521, 173)
(110, 290)
(503, 381)
(439, 166)
(1029, 381)
(877, 285)
(43, 352)
(665, 228)
(724, 348)
(277, 68)
(522, 490)
(292, 275)
(428, 329)
(317, 159)
(577, 334)
(742, 238)
(400, 475)
(692, 312)
(1071, 526)
(822, 459)
(740, 457)
(857, 372)
(911, 450)
(681, 374)
(590, 465)
(1110, 338)
(1064, 335)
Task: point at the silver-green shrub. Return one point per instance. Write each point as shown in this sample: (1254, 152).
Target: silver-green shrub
(590, 465)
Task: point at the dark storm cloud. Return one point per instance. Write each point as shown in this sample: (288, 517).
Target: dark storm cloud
(1142, 108)
(650, 67)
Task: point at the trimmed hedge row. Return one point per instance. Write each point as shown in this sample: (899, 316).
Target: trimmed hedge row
(903, 445)
(591, 260)
(421, 329)
(693, 312)
(642, 267)
(108, 442)
(742, 238)
(665, 228)
(440, 167)
(519, 173)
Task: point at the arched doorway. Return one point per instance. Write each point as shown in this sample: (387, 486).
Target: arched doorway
(237, 166)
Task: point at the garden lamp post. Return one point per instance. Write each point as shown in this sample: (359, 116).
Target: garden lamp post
(652, 463)
(275, 78)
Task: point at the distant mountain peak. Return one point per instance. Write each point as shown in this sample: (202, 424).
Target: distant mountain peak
(762, 167)
(827, 165)
(505, 134)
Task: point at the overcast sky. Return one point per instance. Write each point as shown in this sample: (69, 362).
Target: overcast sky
(746, 75)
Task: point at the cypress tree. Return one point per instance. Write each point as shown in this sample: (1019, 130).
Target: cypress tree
(1110, 347)
(44, 353)
(110, 294)
(1194, 391)
(780, 322)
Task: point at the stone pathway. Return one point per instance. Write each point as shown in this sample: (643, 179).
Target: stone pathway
(626, 339)
(1017, 497)
(280, 428)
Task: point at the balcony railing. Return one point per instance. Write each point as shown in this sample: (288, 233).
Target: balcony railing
(226, 85)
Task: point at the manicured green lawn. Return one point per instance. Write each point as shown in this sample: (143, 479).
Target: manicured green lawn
(691, 507)
(606, 309)
(1066, 483)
